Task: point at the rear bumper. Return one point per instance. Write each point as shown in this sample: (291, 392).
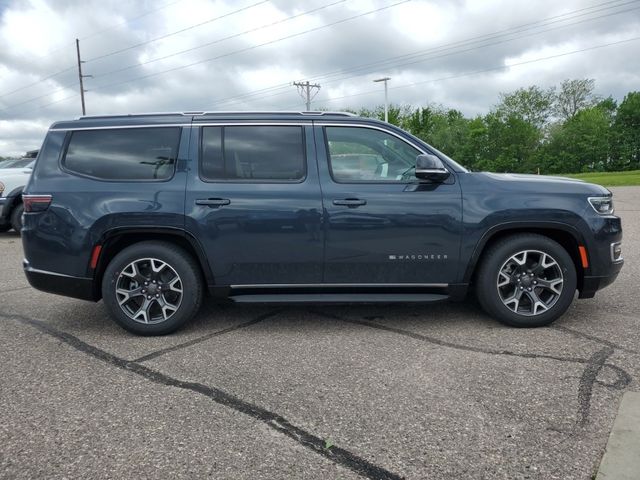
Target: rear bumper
(51, 282)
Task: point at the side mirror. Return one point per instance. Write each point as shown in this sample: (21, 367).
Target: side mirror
(431, 168)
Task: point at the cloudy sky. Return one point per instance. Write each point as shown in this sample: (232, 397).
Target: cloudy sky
(178, 55)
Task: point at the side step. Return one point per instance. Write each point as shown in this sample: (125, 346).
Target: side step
(339, 298)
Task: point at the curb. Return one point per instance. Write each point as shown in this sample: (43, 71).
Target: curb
(621, 459)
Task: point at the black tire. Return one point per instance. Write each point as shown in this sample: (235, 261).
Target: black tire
(160, 315)
(16, 217)
(503, 302)
(5, 227)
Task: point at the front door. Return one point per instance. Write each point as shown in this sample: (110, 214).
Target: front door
(383, 225)
(255, 202)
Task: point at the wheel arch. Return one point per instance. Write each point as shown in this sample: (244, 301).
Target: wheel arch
(114, 241)
(566, 235)
(16, 198)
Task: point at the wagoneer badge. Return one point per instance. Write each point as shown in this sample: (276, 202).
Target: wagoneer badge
(432, 256)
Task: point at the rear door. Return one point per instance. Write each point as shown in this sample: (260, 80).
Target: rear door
(253, 200)
(382, 224)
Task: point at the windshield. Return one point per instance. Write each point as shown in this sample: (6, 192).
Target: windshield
(17, 163)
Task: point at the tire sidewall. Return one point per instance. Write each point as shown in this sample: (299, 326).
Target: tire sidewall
(489, 296)
(16, 217)
(175, 257)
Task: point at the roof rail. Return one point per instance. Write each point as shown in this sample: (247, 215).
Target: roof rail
(200, 113)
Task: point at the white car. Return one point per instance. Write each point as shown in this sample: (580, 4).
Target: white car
(12, 182)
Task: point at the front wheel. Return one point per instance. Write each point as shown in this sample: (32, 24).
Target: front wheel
(16, 217)
(152, 288)
(526, 280)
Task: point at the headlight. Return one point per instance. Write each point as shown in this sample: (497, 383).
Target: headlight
(602, 205)
(1, 188)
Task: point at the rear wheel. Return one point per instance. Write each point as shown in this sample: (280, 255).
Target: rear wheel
(152, 288)
(5, 227)
(16, 217)
(526, 281)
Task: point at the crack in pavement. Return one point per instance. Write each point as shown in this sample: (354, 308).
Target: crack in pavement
(203, 338)
(587, 380)
(593, 365)
(277, 422)
(578, 333)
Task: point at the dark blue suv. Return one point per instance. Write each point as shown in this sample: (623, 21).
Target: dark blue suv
(149, 212)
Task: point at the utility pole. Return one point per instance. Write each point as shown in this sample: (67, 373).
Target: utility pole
(304, 89)
(81, 76)
(386, 97)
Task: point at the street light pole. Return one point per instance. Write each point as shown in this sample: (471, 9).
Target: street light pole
(386, 97)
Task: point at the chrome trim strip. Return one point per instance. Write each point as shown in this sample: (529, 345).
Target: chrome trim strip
(218, 112)
(330, 285)
(320, 123)
(115, 127)
(45, 272)
(239, 123)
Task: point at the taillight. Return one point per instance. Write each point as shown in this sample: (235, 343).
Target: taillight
(36, 203)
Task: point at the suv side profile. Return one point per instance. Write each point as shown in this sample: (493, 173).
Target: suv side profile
(150, 212)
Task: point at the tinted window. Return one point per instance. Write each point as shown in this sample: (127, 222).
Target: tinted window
(253, 153)
(368, 155)
(124, 154)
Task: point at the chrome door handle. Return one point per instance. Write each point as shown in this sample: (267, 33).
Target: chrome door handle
(213, 202)
(350, 202)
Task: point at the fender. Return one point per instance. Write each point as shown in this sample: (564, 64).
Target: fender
(150, 231)
(517, 225)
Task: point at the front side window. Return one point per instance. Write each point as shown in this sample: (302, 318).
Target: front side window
(251, 153)
(124, 153)
(358, 154)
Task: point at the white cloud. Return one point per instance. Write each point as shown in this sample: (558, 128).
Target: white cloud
(429, 48)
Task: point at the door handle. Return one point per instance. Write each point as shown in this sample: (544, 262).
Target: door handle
(350, 202)
(213, 202)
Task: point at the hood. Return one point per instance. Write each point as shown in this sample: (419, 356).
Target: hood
(5, 172)
(544, 183)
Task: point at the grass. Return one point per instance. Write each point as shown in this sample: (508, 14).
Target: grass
(609, 179)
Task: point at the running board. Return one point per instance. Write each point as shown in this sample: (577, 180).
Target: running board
(339, 298)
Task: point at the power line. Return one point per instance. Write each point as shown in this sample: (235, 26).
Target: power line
(253, 47)
(476, 72)
(191, 27)
(512, 30)
(235, 35)
(391, 62)
(60, 72)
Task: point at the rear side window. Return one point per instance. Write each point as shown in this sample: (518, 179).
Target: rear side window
(124, 153)
(252, 153)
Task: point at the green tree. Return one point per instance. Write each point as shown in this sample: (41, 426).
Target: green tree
(511, 144)
(626, 134)
(580, 144)
(575, 95)
(532, 104)
(446, 130)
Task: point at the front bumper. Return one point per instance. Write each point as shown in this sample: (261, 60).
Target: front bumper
(604, 267)
(51, 282)
(591, 284)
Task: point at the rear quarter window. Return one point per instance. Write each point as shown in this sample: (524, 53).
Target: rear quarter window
(123, 153)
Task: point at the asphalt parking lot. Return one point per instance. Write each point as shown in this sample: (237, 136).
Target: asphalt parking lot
(436, 391)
